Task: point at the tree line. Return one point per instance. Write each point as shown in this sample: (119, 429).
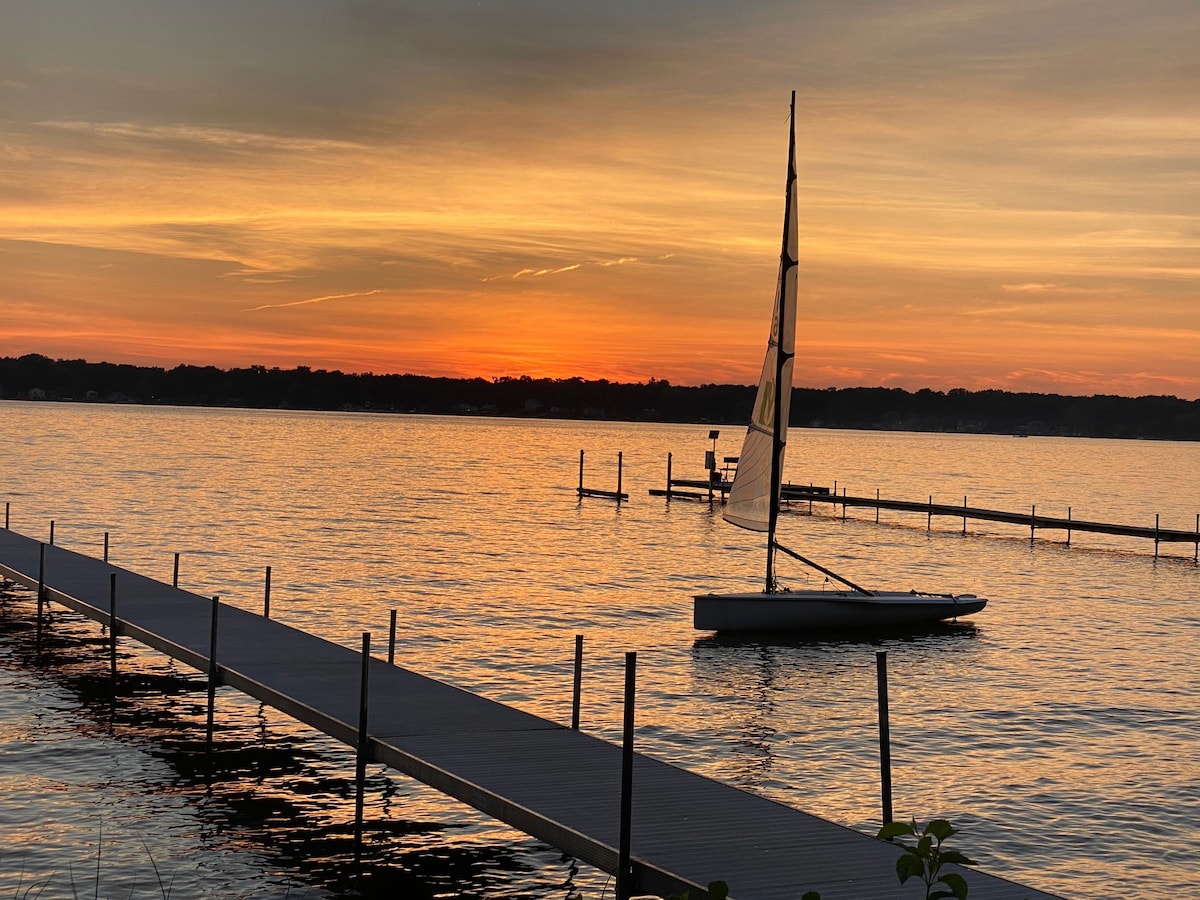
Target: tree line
(37, 377)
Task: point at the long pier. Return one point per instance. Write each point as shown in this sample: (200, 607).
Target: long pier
(1031, 519)
(716, 490)
(553, 782)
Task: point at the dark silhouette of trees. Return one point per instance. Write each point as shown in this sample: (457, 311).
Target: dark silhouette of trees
(959, 410)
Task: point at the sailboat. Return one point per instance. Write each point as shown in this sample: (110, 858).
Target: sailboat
(753, 501)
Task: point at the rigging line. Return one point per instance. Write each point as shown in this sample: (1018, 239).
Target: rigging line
(823, 570)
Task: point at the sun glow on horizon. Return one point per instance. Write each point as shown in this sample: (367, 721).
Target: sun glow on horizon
(982, 203)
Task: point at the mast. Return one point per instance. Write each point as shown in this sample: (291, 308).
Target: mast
(786, 264)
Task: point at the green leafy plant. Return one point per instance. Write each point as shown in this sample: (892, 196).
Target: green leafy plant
(924, 857)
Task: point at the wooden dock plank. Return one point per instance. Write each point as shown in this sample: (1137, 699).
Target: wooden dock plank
(561, 786)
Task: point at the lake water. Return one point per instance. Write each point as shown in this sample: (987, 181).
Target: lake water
(1060, 731)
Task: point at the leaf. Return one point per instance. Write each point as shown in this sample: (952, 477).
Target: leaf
(957, 884)
(895, 829)
(940, 829)
(909, 865)
(925, 847)
(718, 890)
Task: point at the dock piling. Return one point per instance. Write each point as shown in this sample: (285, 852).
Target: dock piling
(51, 532)
(267, 595)
(175, 576)
(392, 638)
(41, 595)
(112, 629)
(624, 866)
(620, 470)
(885, 738)
(876, 506)
(106, 546)
(360, 762)
(929, 517)
(1156, 535)
(6, 515)
(212, 670)
(964, 514)
(576, 691)
(668, 476)
(1068, 526)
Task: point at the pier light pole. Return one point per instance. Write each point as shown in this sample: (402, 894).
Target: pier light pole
(712, 462)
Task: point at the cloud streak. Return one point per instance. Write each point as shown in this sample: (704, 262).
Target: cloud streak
(312, 300)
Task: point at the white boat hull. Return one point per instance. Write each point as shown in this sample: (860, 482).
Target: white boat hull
(828, 610)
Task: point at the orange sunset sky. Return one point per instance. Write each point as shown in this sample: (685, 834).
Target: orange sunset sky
(992, 195)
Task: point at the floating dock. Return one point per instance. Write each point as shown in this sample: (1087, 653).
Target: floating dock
(550, 781)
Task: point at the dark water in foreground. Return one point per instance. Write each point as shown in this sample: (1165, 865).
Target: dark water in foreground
(1059, 731)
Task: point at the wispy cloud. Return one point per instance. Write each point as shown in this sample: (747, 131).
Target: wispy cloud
(602, 263)
(1031, 288)
(311, 300)
(224, 137)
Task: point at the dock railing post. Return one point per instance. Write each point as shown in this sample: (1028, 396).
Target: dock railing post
(212, 671)
(964, 514)
(1156, 535)
(112, 629)
(581, 473)
(267, 595)
(175, 576)
(885, 745)
(668, 476)
(843, 504)
(620, 466)
(392, 638)
(1068, 526)
(360, 760)
(929, 518)
(876, 506)
(624, 865)
(1032, 511)
(106, 546)
(41, 595)
(576, 691)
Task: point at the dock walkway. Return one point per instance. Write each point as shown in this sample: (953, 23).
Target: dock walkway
(560, 785)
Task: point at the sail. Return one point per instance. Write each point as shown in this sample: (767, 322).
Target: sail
(755, 489)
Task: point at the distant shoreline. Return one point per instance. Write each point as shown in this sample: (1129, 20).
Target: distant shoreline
(38, 378)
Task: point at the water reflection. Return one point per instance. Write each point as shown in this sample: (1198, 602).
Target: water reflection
(266, 788)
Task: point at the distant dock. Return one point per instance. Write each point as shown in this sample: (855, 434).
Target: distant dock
(715, 489)
(548, 780)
